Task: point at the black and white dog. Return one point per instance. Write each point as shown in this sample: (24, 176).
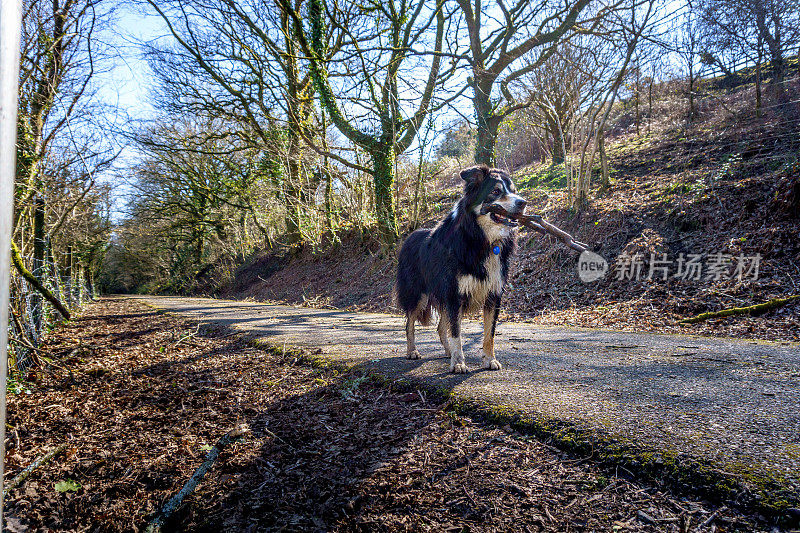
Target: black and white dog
(461, 265)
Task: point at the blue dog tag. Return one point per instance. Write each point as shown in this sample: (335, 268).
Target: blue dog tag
(496, 250)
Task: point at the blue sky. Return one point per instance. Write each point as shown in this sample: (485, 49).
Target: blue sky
(126, 88)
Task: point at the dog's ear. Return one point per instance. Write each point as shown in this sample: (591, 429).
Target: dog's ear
(475, 174)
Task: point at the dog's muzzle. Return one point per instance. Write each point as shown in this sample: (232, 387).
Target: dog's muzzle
(513, 205)
(500, 219)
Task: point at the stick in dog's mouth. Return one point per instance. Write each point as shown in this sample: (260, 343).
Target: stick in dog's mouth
(534, 222)
(502, 219)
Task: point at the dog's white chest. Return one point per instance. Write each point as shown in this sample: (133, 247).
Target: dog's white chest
(477, 289)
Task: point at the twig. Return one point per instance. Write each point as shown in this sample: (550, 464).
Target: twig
(713, 516)
(274, 436)
(18, 323)
(537, 223)
(172, 505)
(22, 476)
(469, 496)
(187, 336)
(758, 308)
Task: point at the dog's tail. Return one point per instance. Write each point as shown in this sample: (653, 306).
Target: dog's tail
(423, 316)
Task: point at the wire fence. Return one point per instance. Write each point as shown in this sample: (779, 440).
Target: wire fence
(739, 67)
(31, 316)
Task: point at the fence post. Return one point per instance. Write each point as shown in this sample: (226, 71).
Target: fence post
(10, 21)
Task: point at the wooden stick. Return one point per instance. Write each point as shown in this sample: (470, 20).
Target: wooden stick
(713, 516)
(172, 505)
(758, 308)
(22, 476)
(537, 223)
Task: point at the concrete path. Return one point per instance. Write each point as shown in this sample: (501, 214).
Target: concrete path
(734, 402)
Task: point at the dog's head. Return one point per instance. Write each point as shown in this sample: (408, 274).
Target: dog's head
(485, 186)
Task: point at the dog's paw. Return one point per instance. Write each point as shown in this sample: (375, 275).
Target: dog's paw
(459, 368)
(413, 355)
(492, 364)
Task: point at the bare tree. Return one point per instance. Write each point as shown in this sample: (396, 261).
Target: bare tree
(556, 90)
(574, 90)
(60, 149)
(377, 89)
(501, 34)
(750, 29)
(687, 46)
(239, 61)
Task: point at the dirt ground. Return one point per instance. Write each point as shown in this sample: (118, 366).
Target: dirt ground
(138, 397)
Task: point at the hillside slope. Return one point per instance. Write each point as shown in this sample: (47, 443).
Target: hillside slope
(727, 187)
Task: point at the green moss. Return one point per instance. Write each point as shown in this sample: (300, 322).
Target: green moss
(544, 176)
(678, 188)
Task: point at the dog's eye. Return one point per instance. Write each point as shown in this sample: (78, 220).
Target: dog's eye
(497, 191)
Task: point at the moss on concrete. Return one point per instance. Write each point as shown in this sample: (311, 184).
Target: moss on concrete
(737, 485)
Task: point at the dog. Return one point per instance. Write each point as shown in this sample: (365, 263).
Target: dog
(461, 265)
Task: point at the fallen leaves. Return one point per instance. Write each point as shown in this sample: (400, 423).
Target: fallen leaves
(319, 450)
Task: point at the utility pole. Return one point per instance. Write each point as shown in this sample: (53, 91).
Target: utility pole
(11, 22)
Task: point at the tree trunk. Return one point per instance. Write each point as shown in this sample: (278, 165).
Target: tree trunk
(558, 142)
(650, 104)
(38, 261)
(198, 251)
(601, 140)
(292, 199)
(487, 124)
(485, 140)
(691, 114)
(638, 111)
(68, 275)
(328, 198)
(758, 85)
(54, 273)
(292, 185)
(90, 283)
(383, 179)
(298, 112)
(417, 189)
(328, 174)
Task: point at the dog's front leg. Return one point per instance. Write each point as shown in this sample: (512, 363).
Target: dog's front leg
(490, 311)
(457, 363)
(412, 352)
(443, 330)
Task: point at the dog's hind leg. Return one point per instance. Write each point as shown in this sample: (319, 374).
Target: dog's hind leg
(490, 311)
(421, 312)
(412, 352)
